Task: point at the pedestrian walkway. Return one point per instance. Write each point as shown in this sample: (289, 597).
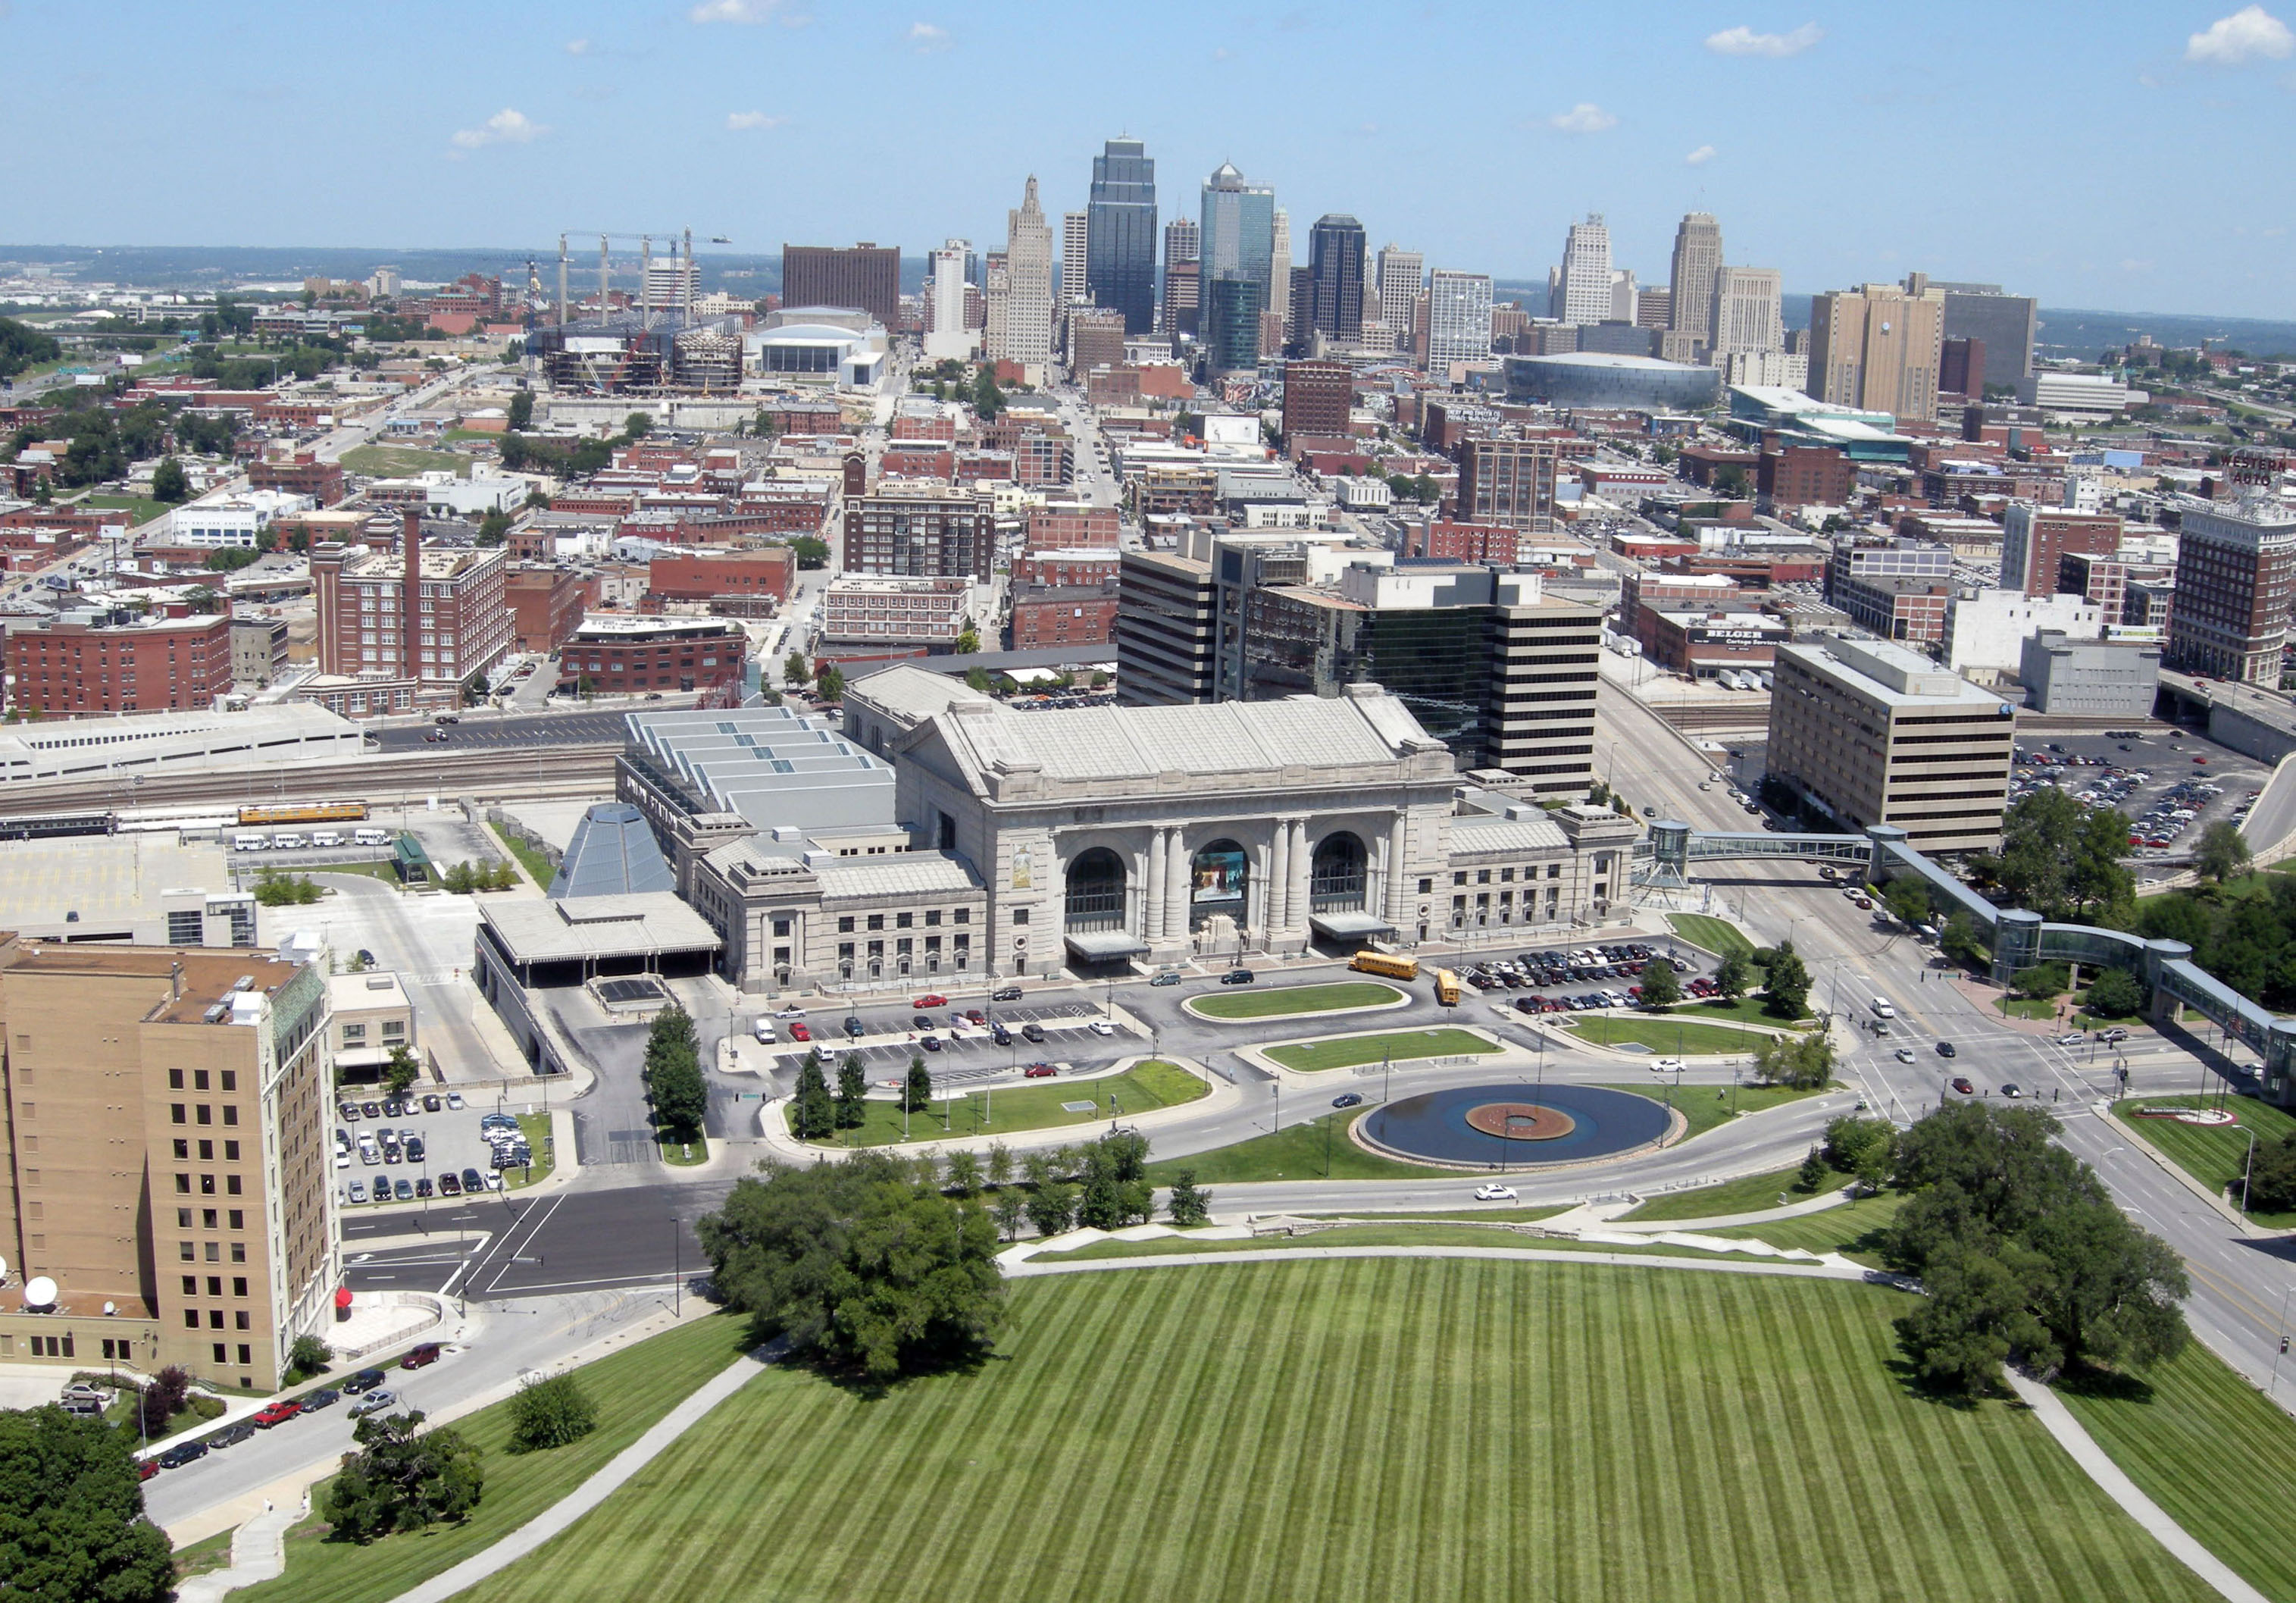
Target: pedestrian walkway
(1832, 1270)
(2074, 1438)
(258, 1552)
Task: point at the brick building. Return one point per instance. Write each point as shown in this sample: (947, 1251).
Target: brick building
(621, 655)
(1805, 475)
(1317, 397)
(546, 606)
(1074, 528)
(927, 613)
(930, 533)
(1450, 542)
(300, 473)
(148, 665)
(1509, 482)
(2034, 539)
(1066, 569)
(765, 573)
(434, 614)
(1046, 617)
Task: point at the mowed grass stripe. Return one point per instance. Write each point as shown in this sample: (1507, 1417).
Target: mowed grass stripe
(1374, 1430)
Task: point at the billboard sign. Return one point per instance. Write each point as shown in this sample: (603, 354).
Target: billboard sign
(1219, 874)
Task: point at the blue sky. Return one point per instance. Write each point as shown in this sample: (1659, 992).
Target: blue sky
(2129, 156)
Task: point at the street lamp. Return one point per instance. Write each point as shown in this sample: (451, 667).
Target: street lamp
(677, 1268)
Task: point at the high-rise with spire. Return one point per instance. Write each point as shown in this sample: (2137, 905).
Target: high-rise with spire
(1120, 234)
(1697, 258)
(1025, 331)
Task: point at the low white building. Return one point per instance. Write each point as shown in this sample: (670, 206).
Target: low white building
(230, 520)
(2084, 396)
(1986, 631)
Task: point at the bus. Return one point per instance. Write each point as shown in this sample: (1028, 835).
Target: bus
(308, 812)
(1447, 988)
(1380, 963)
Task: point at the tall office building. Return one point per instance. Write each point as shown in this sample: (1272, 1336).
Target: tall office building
(2234, 572)
(1075, 233)
(1317, 398)
(1876, 347)
(1744, 312)
(1279, 265)
(1961, 368)
(1230, 323)
(1458, 320)
(1165, 612)
(948, 337)
(1624, 297)
(1184, 298)
(1399, 274)
(1508, 481)
(1582, 289)
(1697, 258)
(868, 277)
(1238, 232)
(1335, 268)
(1120, 234)
(1183, 240)
(2006, 323)
(1026, 335)
(2035, 538)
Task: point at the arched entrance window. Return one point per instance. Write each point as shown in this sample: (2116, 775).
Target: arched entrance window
(1219, 875)
(1095, 892)
(1335, 882)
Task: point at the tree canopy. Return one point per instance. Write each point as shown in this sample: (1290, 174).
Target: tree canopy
(673, 1081)
(23, 346)
(2062, 860)
(860, 1265)
(402, 1478)
(2247, 941)
(71, 1514)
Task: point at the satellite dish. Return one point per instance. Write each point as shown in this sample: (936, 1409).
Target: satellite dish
(40, 1292)
(4, 1270)
(110, 1309)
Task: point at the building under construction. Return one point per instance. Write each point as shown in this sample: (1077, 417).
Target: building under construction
(650, 345)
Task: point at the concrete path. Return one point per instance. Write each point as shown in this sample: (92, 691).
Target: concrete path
(258, 1552)
(2074, 1438)
(1801, 1272)
(1815, 1204)
(590, 1493)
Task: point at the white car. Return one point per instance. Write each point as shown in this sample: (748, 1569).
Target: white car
(455, 1099)
(1100, 1027)
(1905, 1055)
(792, 1011)
(1495, 1194)
(2075, 1040)
(765, 1032)
(1666, 1065)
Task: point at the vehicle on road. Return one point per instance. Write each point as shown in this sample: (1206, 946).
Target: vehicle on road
(183, 1453)
(1168, 977)
(1009, 993)
(2012, 1089)
(2075, 1038)
(792, 1011)
(1384, 965)
(1905, 1055)
(1347, 1099)
(419, 1355)
(1961, 1083)
(1039, 1070)
(145, 1469)
(231, 1436)
(277, 1413)
(2115, 1035)
(1945, 1049)
(374, 1402)
(1447, 988)
(324, 1397)
(1666, 1065)
(1237, 976)
(1495, 1194)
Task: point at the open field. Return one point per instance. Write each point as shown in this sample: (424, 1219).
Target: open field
(1285, 1000)
(1745, 1195)
(1717, 936)
(1040, 1104)
(404, 461)
(142, 508)
(1670, 1034)
(2215, 1155)
(1352, 1051)
(1385, 1429)
(631, 1388)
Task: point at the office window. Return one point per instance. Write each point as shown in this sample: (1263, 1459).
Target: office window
(1019, 915)
(185, 1251)
(876, 921)
(213, 1250)
(932, 917)
(231, 1152)
(190, 1318)
(241, 1320)
(207, 1152)
(845, 925)
(239, 1252)
(183, 1152)
(239, 1286)
(182, 1219)
(231, 1080)
(238, 1219)
(199, 1080)
(222, 1353)
(207, 1219)
(215, 1286)
(230, 1184)
(176, 1109)
(184, 1185)
(244, 1355)
(174, 1080)
(203, 1114)
(191, 1286)
(964, 916)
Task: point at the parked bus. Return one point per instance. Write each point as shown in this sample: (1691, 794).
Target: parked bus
(309, 812)
(1380, 963)
(1447, 988)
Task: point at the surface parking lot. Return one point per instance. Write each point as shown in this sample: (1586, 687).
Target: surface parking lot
(890, 1038)
(451, 1140)
(2100, 770)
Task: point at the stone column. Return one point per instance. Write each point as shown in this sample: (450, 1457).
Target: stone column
(1151, 890)
(1279, 880)
(1295, 895)
(1398, 883)
(1175, 885)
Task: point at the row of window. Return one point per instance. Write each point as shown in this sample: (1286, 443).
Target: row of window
(1505, 876)
(901, 921)
(207, 1185)
(207, 1151)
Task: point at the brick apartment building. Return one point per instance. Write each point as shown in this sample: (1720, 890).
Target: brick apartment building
(1509, 482)
(764, 573)
(2035, 538)
(927, 613)
(1317, 398)
(1061, 570)
(147, 665)
(932, 534)
(1073, 528)
(1451, 542)
(546, 606)
(621, 655)
(299, 473)
(435, 615)
(168, 1161)
(1044, 619)
(1805, 475)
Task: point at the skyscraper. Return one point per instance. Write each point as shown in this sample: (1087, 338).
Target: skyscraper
(1743, 311)
(1231, 323)
(867, 276)
(1121, 238)
(1239, 227)
(1697, 258)
(1458, 320)
(1582, 293)
(1026, 335)
(1074, 230)
(2006, 323)
(1399, 272)
(949, 336)
(1335, 268)
(1183, 240)
(1279, 266)
(1183, 276)
(1876, 347)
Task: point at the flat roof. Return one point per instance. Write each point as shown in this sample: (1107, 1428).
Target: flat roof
(102, 878)
(595, 928)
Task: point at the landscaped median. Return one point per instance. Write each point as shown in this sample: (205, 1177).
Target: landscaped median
(1396, 1045)
(1038, 1105)
(1665, 1033)
(1717, 936)
(2214, 1154)
(1286, 1001)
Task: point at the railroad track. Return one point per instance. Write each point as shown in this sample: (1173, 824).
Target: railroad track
(489, 775)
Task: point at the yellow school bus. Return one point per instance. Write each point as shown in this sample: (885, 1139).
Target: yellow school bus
(1380, 963)
(1447, 988)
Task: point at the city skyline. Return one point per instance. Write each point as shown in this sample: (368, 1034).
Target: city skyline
(599, 114)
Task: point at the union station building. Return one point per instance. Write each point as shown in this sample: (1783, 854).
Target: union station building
(1099, 840)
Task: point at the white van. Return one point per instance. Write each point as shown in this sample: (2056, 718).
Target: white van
(249, 842)
(1881, 1008)
(325, 837)
(287, 842)
(766, 1033)
(371, 837)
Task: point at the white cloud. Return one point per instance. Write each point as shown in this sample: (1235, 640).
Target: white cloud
(1745, 41)
(1584, 118)
(1701, 156)
(577, 47)
(736, 121)
(925, 38)
(505, 127)
(2131, 264)
(2250, 34)
(747, 10)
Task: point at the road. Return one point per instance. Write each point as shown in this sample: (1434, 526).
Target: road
(476, 730)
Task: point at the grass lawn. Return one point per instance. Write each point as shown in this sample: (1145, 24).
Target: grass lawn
(537, 865)
(401, 461)
(680, 1155)
(201, 1557)
(1438, 1429)
(1435, 1234)
(1852, 1229)
(1669, 1035)
(1703, 1109)
(631, 1388)
(1745, 1010)
(536, 1128)
(142, 508)
(1354, 1050)
(1299, 1151)
(1286, 999)
(2215, 1155)
(1746, 1195)
(2210, 1449)
(202, 1411)
(1036, 1106)
(1717, 936)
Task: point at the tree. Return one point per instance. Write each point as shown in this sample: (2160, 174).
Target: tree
(830, 685)
(521, 408)
(1859, 1146)
(1189, 1204)
(1908, 899)
(2115, 993)
(308, 1355)
(1960, 942)
(968, 641)
(916, 1091)
(965, 1172)
(2272, 1176)
(859, 1266)
(1786, 993)
(1803, 1061)
(987, 399)
(681, 1095)
(401, 1072)
(810, 551)
(1732, 975)
(2223, 853)
(1008, 1208)
(402, 1479)
(167, 1393)
(1660, 987)
(550, 1413)
(1811, 1175)
(1051, 1208)
(852, 1094)
(494, 529)
(638, 425)
(71, 1509)
(168, 482)
(2041, 982)
(812, 1117)
(796, 669)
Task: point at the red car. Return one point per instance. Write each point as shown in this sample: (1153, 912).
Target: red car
(1038, 1070)
(278, 1413)
(932, 999)
(145, 1469)
(800, 1031)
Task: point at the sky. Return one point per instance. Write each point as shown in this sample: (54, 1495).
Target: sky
(2132, 155)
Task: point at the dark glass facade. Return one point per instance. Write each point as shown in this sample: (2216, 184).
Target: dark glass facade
(1437, 661)
(1120, 237)
(1335, 270)
(1231, 324)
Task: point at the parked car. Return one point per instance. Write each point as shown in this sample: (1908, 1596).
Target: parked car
(1009, 993)
(1170, 976)
(799, 1031)
(453, 1101)
(278, 1413)
(932, 999)
(1237, 976)
(472, 1182)
(324, 1397)
(421, 1355)
(1100, 1027)
(1495, 1194)
(432, 1102)
(450, 1184)
(183, 1453)
(1000, 1035)
(366, 1380)
(1039, 1070)
(374, 1402)
(1032, 1032)
(854, 1028)
(359, 1191)
(231, 1436)
(930, 1043)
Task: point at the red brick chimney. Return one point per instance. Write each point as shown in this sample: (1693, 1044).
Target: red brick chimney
(410, 600)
